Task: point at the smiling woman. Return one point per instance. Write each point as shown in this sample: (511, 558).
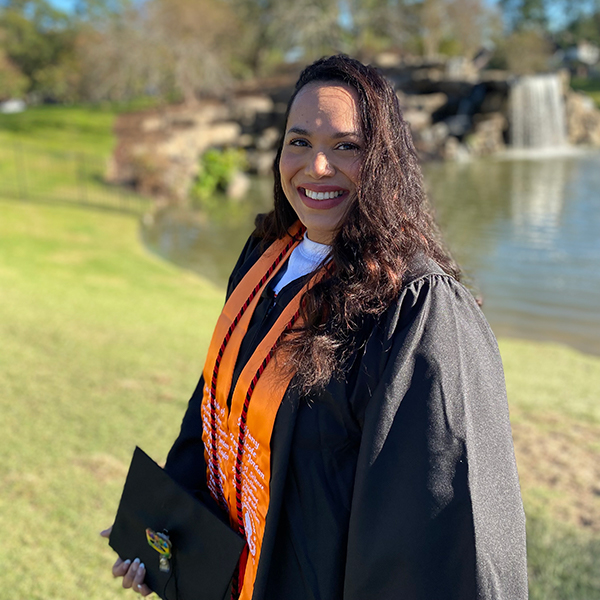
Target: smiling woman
(321, 157)
(351, 421)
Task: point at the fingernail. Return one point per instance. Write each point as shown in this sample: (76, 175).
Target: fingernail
(127, 562)
(136, 561)
(141, 567)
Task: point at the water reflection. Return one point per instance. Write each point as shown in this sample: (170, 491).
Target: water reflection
(537, 195)
(209, 247)
(535, 252)
(525, 231)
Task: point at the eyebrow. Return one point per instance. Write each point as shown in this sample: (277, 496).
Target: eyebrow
(339, 134)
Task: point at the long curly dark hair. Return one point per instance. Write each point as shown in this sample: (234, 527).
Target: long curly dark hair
(388, 223)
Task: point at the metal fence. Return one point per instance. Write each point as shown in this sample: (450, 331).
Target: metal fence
(33, 174)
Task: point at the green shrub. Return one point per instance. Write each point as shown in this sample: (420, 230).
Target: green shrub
(217, 169)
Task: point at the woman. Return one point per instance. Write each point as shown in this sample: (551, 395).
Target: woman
(354, 423)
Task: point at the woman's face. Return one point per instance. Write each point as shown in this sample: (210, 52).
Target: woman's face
(321, 156)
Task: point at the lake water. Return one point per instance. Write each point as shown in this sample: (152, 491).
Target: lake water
(525, 231)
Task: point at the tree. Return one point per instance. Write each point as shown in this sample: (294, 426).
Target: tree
(40, 42)
(166, 48)
(524, 14)
(276, 30)
(582, 27)
(471, 25)
(427, 27)
(523, 52)
(13, 84)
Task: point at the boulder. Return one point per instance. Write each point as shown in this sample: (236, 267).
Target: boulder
(444, 101)
(246, 108)
(458, 125)
(417, 119)
(430, 142)
(488, 134)
(583, 120)
(158, 151)
(454, 151)
(238, 186)
(423, 102)
(261, 163)
(268, 139)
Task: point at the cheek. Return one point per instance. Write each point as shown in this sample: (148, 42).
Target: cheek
(354, 171)
(287, 169)
(284, 165)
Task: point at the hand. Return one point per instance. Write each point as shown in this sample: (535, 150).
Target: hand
(131, 572)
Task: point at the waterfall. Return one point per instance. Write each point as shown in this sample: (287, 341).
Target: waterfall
(537, 112)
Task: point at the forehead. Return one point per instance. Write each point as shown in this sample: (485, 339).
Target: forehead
(325, 104)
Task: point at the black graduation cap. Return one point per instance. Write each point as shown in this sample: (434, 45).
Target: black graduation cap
(156, 512)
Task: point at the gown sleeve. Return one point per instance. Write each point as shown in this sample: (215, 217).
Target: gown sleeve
(436, 509)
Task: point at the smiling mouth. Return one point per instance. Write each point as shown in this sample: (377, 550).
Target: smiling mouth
(322, 195)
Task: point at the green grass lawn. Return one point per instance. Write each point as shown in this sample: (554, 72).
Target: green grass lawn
(102, 345)
(56, 127)
(61, 154)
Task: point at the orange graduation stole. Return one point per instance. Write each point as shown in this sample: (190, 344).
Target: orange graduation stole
(237, 439)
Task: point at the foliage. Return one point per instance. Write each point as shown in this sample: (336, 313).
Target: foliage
(162, 48)
(589, 86)
(173, 50)
(13, 83)
(40, 41)
(217, 169)
(523, 52)
(582, 27)
(525, 14)
(426, 27)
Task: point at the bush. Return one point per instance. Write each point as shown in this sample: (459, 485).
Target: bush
(217, 169)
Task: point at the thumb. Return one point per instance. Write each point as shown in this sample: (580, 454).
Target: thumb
(106, 532)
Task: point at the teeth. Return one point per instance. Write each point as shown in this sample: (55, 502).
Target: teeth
(322, 195)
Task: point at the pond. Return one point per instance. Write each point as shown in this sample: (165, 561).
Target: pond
(525, 231)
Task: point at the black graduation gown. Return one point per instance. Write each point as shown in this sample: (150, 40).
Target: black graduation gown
(400, 481)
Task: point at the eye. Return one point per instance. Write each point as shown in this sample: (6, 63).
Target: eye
(348, 146)
(298, 142)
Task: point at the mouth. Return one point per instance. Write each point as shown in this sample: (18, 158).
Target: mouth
(323, 199)
(322, 195)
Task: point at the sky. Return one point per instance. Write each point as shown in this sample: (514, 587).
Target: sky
(65, 5)
(557, 18)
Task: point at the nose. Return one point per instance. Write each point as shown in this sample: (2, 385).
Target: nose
(320, 166)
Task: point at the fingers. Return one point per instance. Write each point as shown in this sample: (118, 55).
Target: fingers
(134, 578)
(120, 567)
(144, 590)
(133, 574)
(138, 584)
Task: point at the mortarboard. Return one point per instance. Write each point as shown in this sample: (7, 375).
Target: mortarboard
(189, 552)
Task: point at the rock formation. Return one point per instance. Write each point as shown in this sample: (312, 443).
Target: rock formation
(455, 110)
